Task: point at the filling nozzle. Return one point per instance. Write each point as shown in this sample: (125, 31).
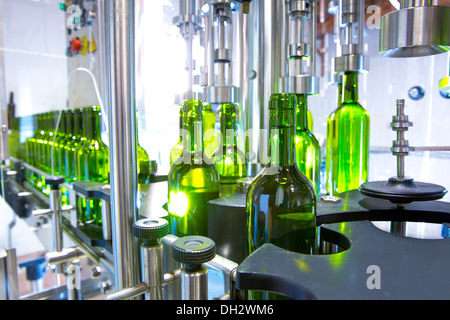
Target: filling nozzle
(417, 3)
(220, 87)
(190, 24)
(300, 43)
(350, 32)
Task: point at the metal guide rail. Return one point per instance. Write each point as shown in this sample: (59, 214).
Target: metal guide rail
(348, 245)
(94, 243)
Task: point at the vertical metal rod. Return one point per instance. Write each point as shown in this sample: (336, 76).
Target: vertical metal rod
(55, 206)
(123, 141)
(4, 141)
(189, 56)
(361, 14)
(400, 137)
(211, 72)
(153, 274)
(313, 39)
(401, 167)
(12, 276)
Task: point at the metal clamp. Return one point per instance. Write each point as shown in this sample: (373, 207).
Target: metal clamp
(55, 212)
(150, 231)
(400, 147)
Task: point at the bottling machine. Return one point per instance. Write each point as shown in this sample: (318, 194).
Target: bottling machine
(110, 238)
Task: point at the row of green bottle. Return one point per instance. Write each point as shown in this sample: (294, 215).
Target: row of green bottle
(65, 143)
(201, 170)
(281, 201)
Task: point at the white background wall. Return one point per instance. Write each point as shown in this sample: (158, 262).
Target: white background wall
(34, 46)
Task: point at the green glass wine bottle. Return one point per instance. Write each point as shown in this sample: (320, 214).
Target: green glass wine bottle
(50, 139)
(228, 159)
(13, 138)
(177, 150)
(44, 155)
(39, 135)
(143, 165)
(144, 171)
(210, 134)
(92, 164)
(68, 125)
(41, 140)
(193, 179)
(348, 129)
(306, 145)
(84, 212)
(76, 141)
(57, 146)
(281, 202)
(31, 176)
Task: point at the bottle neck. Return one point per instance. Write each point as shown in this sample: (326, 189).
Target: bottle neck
(78, 130)
(39, 124)
(95, 131)
(62, 123)
(49, 124)
(45, 123)
(192, 127)
(302, 112)
(340, 93)
(69, 123)
(181, 125)
(282, 136)
(350, 87)
(86, 127)
(228, 124)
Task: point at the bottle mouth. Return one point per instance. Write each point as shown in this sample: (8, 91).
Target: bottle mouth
(193, 105)
(283, 101)
(228, 108)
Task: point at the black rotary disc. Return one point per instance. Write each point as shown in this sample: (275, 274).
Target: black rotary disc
(403, 190)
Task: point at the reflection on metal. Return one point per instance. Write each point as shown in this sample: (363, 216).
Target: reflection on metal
(349, 29)
(416, 230)
(416, 93)
(418, 29)
(123, 140)
(300, 28)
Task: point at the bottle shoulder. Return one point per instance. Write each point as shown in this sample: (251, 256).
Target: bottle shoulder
(186, 168)
(282, 180)
(349, 110)
(306, 137)
(232, 152)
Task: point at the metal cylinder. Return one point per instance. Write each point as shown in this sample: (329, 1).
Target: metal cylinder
(415, 31)
(123, 141)
(153, 272)
(194, 284)
(416, 3)
(55, 207)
